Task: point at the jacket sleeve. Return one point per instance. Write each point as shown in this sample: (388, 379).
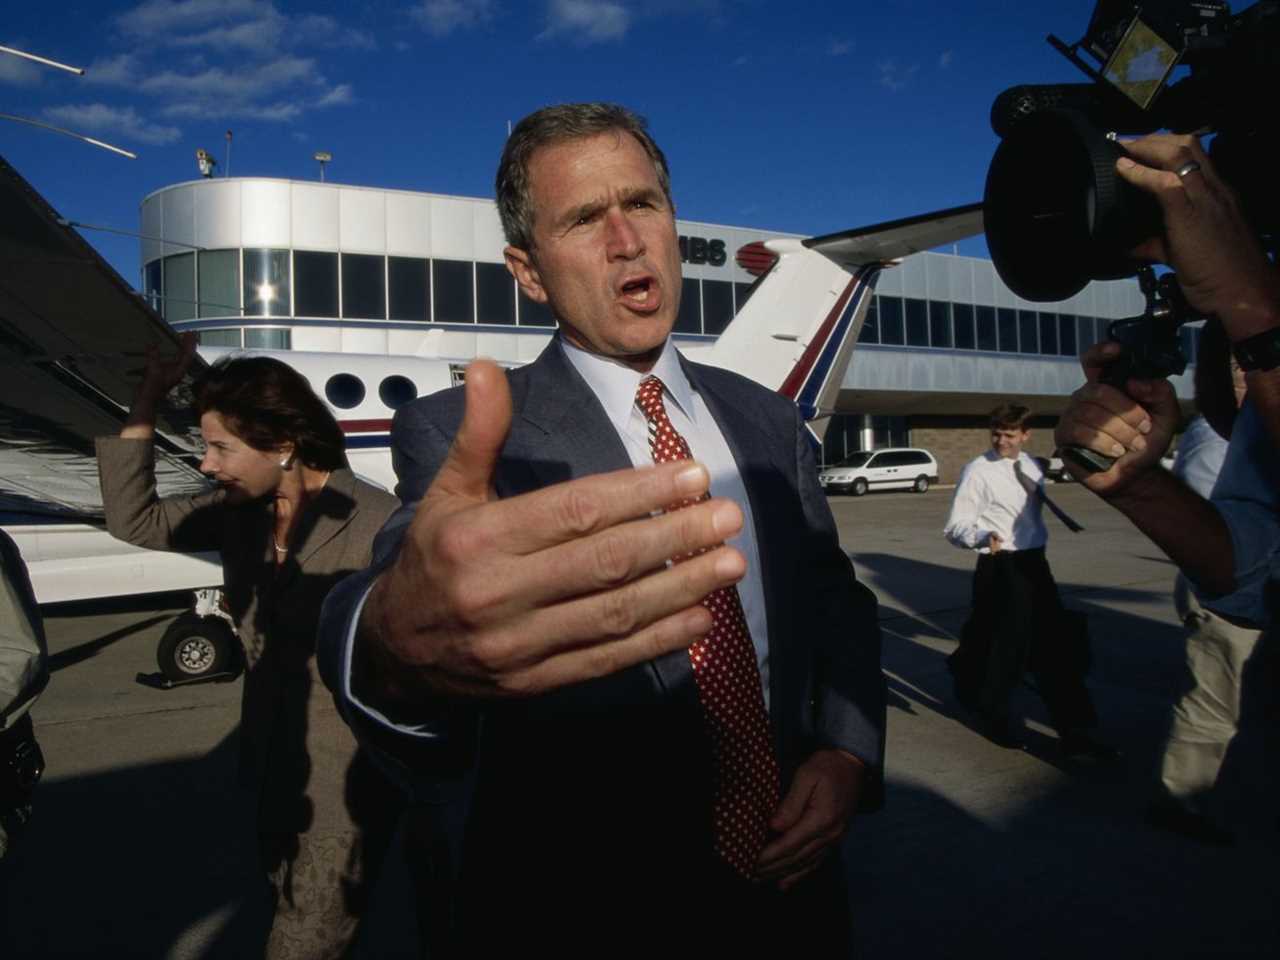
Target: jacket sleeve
(137, 515)
(427, 755)
(849, 686)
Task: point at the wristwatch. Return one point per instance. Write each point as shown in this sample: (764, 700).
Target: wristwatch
(1259, 352)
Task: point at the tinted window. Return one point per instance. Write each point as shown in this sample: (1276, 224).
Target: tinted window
(266, 283)
(987, 328)
(690, 316)
(939, 323)
(218, 338)
(152, 285)
(1029, 331)
(453, 291)
(364, 292)
(1088, 333)
(881, 460)
(395, 391)
(915, 457)
(317, 283)
(1007, 324)
(267, 338)
(534, 314)
(870, 332)
(180, 287)
(890, 315)
(1049, 333)
(962, 317)
(220, 283)
(344, 390)
(855, 459)
(917, 312)
(409, 288)
(1067, 335)
(495, 294)
(717, 305)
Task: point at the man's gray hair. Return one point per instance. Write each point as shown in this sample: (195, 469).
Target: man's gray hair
(558, 124)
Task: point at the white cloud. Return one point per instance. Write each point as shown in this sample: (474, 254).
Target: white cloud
(316, 29)
(340, 95)
(895, 77)
(442, 17)
(587, 21)
(838, 48)
(17, 71)
(155, 20)
(120, 122)
(945, 59)
(123, 70)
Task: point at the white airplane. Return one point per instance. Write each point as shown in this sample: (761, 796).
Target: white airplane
(73, 336)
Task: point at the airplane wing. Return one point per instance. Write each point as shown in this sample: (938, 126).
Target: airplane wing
(886, 242)
(73, 339)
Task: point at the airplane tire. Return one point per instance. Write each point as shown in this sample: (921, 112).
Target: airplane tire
(921, 485)
(859, 487)
(195, 647)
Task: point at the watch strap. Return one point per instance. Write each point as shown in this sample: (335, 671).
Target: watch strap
(1259, 352)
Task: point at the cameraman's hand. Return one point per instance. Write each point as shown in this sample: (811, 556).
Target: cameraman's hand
(1134, 425)
(1220, 265)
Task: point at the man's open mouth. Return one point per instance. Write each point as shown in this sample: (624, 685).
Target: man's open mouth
(640, 291)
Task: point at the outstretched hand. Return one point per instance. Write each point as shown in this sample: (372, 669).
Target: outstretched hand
(497, 598)
(160, 376)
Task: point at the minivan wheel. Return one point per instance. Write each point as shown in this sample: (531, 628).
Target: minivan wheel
(921, 485)
(859, 487)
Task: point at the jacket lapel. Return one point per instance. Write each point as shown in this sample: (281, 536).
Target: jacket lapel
(325, 517)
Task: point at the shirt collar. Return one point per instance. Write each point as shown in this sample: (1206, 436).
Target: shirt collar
(615, 384)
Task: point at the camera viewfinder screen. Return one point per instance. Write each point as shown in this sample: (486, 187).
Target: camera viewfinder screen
(1140, 64)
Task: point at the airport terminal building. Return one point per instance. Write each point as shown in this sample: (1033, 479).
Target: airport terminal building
(281, 264)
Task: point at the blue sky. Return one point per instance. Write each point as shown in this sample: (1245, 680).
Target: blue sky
(804, 117)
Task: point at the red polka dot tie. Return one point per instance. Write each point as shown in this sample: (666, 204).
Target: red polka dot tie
(729, 688)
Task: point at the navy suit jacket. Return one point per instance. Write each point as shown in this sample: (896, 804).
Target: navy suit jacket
(605, 784)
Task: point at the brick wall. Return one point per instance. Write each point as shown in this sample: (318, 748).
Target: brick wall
(954, 441)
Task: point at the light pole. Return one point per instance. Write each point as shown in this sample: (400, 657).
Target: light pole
(323, 157)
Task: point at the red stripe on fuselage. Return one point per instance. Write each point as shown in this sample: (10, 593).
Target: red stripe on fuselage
(800, 372)
(364, 426)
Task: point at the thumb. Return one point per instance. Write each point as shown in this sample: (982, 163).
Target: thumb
(467, 471)
(793, 803)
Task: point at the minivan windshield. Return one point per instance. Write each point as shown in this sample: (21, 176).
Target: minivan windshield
(856, 459)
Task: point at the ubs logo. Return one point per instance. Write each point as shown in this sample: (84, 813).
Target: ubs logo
(702, 250)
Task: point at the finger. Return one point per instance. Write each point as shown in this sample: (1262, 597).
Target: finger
(666, 635)
(467, 470)
(814, 832)
(609, 558)
(583, 636)
(1168, 152)
(1095, 359)
(1098, 427)
(793, 804)
(568, 511)
(791, 879)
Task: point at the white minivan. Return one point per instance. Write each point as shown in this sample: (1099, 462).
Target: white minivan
(894, 468)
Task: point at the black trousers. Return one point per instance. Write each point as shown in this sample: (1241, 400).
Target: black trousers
(1018, 624)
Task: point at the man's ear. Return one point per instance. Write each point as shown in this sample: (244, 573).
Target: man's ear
(521, 266)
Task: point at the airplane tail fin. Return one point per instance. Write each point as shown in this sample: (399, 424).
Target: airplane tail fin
(796, 332)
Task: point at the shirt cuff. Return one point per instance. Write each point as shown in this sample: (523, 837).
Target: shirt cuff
(421, 731)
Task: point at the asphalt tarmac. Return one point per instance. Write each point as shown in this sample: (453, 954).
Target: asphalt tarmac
(142, 845)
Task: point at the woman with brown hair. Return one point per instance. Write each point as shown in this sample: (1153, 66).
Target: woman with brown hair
(290, 519)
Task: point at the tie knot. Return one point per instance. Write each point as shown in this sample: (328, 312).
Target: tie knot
(649, 398)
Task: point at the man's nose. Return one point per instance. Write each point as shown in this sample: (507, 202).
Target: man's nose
(624, 241)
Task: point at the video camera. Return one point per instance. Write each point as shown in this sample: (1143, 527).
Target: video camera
(1057, 214)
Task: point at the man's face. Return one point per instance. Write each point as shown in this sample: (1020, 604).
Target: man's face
(605, 256)
(245, 472)
(1008, 441)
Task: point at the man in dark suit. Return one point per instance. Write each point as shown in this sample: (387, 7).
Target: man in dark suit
(646, 746)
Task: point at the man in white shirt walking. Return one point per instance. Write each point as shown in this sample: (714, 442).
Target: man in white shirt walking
(1018, 622)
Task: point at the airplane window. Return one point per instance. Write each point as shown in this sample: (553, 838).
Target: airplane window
(395, 391)
(344, 390)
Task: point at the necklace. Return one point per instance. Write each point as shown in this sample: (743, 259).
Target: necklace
(276, 544)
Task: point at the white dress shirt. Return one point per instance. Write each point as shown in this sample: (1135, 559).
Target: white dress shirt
(615, 387)
(989, 499)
